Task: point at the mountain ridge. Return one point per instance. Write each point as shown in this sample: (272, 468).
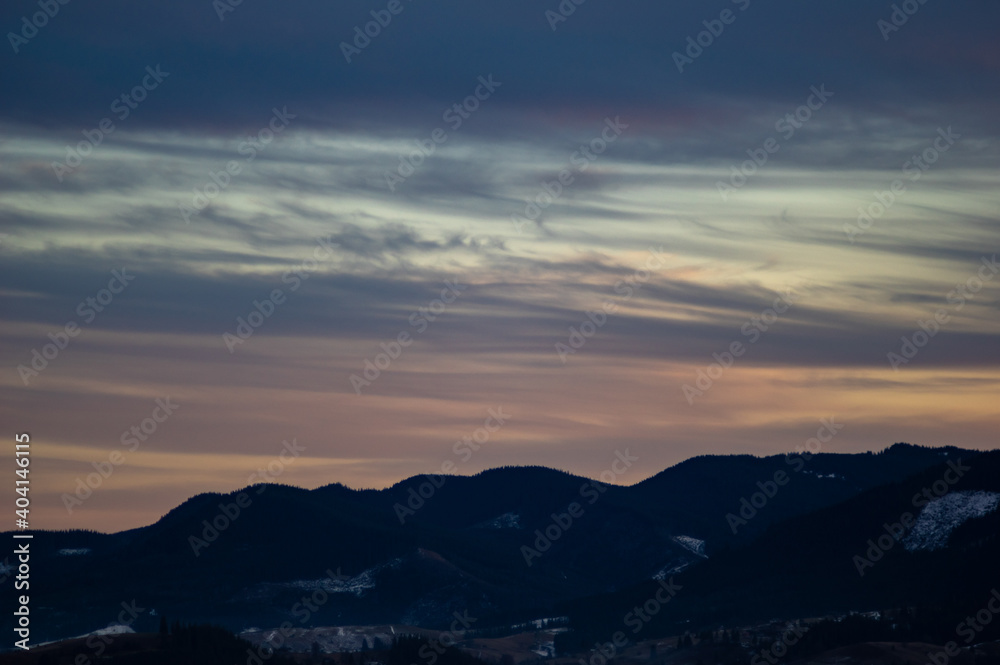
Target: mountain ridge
(225, 557)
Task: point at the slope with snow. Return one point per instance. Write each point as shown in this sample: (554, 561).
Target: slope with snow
(692, 544)
(941, 517)
(356, 585)
(505, 521)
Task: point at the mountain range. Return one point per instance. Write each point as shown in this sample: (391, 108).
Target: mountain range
(743, 538)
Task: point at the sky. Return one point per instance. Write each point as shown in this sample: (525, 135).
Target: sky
(313, 242)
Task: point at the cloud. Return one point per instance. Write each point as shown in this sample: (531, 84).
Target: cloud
(657, 185)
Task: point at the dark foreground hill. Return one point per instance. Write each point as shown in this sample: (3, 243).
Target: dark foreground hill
(929, 543)
(502, 546)
(211, 645)
(191, 645)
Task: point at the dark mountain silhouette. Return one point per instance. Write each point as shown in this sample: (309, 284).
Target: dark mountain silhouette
(426, 548)
(847, 557)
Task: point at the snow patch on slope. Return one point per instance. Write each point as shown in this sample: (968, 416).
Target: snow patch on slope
(505, 521)
(941, 517)
(331, 639)
(356, 585)
(691, 544)
(694, 545)
(114, 629)
(110, 629)
(668, 570)
(545, 649)
(69, 551)
(831, 476)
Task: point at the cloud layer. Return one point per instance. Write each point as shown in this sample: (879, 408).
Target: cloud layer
(582, 193)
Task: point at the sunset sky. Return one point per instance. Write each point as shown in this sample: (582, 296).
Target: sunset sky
(330, 199)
